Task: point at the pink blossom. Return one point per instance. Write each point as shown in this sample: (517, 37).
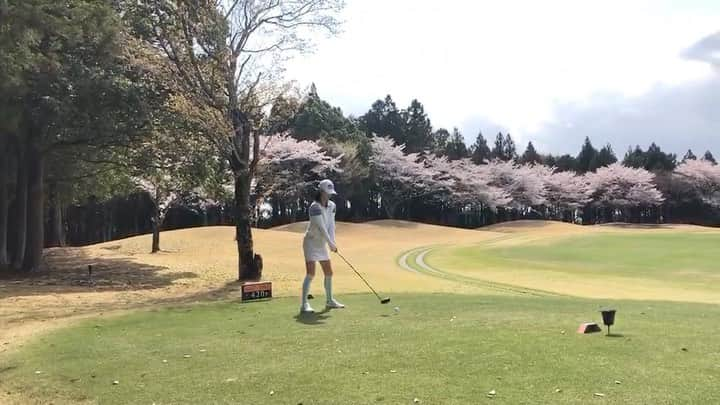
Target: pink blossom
(703, 178)
(620, 186)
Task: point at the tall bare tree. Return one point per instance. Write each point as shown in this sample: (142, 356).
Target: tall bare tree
(4, 183)
(226, 57)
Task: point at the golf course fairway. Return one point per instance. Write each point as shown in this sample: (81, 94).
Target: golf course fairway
(440, 349)
(483, 316)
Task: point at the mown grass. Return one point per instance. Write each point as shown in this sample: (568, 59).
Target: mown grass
(440, 349)
(677, 259)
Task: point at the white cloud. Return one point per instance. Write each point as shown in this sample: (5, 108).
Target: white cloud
(509, 62)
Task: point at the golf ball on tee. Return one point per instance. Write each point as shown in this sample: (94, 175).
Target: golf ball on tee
(396, 309)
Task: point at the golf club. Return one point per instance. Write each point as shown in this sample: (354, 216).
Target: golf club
(382, 300)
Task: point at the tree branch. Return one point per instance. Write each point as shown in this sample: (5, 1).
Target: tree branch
(251, 90)
(239, 73)
(275, 47)
(231, 9)
(82, 177)
(189, 43)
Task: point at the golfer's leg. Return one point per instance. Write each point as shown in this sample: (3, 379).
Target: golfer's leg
(309, 275)
(327, 270)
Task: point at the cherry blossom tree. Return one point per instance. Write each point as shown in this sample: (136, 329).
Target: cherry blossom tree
(169, 165)
(621, 189)
(471, 193)
(398, 177)
(163, 192)
(172, 186)
(565, 193)
(470, 185)
(289, 168)
(703, 179)
(524, 184)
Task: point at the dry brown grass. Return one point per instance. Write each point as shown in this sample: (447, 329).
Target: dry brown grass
(201, 264)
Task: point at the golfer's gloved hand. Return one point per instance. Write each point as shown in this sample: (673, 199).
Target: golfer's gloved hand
(333, 248)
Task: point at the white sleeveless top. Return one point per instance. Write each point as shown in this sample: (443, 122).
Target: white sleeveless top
(321, 228)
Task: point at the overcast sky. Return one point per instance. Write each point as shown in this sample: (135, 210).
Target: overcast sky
(554, 71)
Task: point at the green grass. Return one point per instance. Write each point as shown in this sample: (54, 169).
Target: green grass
(680, 259)
(443, 349)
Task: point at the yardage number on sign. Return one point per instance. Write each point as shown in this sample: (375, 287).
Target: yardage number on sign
(256, 291)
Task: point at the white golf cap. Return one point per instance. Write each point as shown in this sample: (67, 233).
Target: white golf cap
(327, 186)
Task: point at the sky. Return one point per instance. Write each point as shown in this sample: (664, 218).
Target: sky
(551, 72)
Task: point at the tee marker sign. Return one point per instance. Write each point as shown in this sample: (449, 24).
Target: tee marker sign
(253, 291)
(590, 327)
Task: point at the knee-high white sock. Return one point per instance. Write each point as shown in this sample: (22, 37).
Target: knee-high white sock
(306, 288)
(328, 288)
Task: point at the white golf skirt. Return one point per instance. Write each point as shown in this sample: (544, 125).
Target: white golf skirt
(315, 250)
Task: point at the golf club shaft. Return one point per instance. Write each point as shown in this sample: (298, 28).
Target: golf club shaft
(359, 275)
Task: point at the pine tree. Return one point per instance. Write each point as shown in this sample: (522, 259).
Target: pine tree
(417, 128)
(549, 161)
(456, 148)
(605, 157)
(587, 157)
(530, 156)
(509, 149)
(316, 118)
(689, 156)
(393, 122)
(657, 160)
(709, 157)
(498, 150)
(384, 119)
(439, 141)
(480, 150)
(634, 157)
(566, 163)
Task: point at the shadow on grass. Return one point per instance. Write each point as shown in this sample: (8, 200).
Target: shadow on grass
(313, 318)
(627, 225)
(390, 223)
(615, 335)
(7, 368)
(523, 224)
(66, 271)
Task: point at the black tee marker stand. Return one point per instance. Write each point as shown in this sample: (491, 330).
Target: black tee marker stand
(608, 316)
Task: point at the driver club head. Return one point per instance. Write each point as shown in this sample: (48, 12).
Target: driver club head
(385, 300)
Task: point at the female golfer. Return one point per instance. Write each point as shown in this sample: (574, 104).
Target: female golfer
(320, 232)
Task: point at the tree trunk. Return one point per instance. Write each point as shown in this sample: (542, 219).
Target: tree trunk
(155, 236)
(247, 267)
(249, 264)
(4, 203)
(35, 210)
(156, 226)
(390, 209)
(57, 234)
(20, 214)
(137, 212)
(60, 224)
(155, 231)
(110, 222)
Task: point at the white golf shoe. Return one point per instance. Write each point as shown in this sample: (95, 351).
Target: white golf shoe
(306, 308)
(334, 304)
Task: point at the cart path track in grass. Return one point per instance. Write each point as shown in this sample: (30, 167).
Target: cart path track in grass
(419, 265)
